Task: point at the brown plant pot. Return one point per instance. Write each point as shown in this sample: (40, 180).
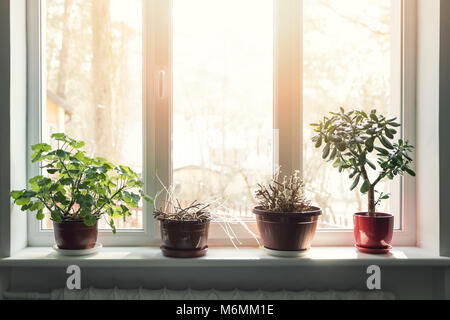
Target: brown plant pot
(75, 235)
(287, 231)
(184, 239)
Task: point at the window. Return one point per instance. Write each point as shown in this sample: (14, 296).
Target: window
(222, 100)
(93, 59)
(348, 62)
(212, 96)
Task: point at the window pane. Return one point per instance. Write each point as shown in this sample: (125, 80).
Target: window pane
(222, 100)
(347, 62)
(94, 80)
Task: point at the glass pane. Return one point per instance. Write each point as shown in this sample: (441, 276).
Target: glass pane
(222, 100)
(94, 81)
(347, 62)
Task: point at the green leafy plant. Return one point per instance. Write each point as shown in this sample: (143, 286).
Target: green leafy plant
(347, 140)
(286, 196)
(77, 187)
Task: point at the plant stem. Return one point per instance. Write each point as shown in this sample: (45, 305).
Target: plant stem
(372, 205)
(115, 194)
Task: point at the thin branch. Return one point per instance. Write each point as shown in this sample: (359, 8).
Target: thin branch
(353, 20)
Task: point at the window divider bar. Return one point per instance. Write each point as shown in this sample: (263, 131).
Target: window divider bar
(157, 100)
(36, 88)
(408, 108)
(288, 87)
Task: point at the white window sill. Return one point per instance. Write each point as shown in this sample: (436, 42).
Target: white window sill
(223, 257)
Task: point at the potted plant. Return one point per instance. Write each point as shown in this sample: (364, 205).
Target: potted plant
(77, 191)
(348, 139)
(286, 221)
(184, 230)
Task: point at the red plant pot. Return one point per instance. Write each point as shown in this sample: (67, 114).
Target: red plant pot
(373, 232)
(75, 235)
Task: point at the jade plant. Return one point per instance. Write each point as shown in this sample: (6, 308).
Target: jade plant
(285, 196)
(76, 187)
(348, 138)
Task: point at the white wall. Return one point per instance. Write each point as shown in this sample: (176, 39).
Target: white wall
(427, 160)
(18, 118)
(13, 100)
(404, 282)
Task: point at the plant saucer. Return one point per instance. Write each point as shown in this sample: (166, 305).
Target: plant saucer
(78, 253)
(186, 254)
(286, 254)
(374, 250)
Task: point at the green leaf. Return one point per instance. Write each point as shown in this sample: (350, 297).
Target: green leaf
(90, 220)
(384, 152)
(365, 187)
(44, 182)
(369, 144)
(326, 151)
(56, 216)
(37, 206)
(146, 197)
(125, 209)
(353, 174)
(341, 146)
(356, 182)
(43, 147)
(319, 142)
(337, 163)
(371, 164)
(388, 134)
(16, 194)
(61, 154)
(113, 226)
(374, 117)
(333, 154)
(385, 142)
(66, 181)
(59, 136)
(40, 215)
(27, 206)
(23, 201)
(78, 144)
(60, 198)
(410, 172)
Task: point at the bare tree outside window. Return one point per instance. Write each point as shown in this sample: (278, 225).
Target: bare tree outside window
(223, 140)
(347, 62)
(94, 86)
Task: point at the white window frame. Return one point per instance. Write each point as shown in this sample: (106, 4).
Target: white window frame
(288, 123)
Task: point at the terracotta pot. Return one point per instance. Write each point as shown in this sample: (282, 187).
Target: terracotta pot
(184, 239)
(373, 232)
(75, 235)
(287, 231)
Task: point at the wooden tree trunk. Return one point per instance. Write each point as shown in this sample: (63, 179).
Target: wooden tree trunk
(102, 78)
(371, 196)
(65, 49)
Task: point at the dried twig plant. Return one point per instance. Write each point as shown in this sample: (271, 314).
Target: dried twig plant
(215, 211)
(194, 212)
(287, 196)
